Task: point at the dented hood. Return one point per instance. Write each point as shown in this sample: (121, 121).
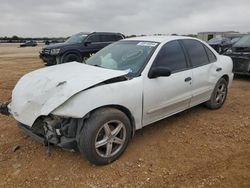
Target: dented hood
(41, 91)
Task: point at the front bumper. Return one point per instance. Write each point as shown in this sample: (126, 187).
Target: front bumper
(27, 130)
(48, 59)
(46, 135)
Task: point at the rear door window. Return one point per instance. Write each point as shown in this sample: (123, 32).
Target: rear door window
(196, 52)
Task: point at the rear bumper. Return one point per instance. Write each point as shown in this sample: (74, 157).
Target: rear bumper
(242, 73)
(241, 65)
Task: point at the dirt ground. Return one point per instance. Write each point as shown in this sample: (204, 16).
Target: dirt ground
(196, 148)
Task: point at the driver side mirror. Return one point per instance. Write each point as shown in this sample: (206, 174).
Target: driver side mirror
(159, 72)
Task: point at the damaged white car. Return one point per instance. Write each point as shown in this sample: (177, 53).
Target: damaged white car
(96, 107)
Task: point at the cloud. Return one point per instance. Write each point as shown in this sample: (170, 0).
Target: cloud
(63, 17)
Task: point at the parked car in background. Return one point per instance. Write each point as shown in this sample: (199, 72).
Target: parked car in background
(234, 40)
(78, 47)
(96, 107)
(31, 43)
(220, 44)
(48, 42)
(240, 53)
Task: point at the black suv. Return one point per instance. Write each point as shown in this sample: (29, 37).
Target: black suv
(78, 47)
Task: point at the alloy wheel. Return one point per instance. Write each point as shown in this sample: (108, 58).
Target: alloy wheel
(221, 93)
(110, 138)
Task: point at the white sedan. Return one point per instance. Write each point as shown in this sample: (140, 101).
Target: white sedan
(96, 107)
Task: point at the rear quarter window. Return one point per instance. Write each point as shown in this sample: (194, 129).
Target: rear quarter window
(212, 58)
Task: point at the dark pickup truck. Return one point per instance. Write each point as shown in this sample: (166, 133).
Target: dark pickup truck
(240, 54)
(78, 47)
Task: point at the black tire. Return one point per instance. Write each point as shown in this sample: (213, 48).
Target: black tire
(93, 141)
(71, 57)
(219, 95)
(85, 57)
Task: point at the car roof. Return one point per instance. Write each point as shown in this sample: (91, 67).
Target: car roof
(88, 33)
(159, 39)
(83, 33)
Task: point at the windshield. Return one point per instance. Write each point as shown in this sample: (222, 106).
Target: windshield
(124, 55)
(76, 39)
(244, 41)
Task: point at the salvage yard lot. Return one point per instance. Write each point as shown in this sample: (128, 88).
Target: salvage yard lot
(196, 148)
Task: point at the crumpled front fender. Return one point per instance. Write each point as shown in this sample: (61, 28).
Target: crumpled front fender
(127, 94)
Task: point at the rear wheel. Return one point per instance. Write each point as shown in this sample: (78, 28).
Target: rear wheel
(71, 57)
(219, 95)
(104, 136)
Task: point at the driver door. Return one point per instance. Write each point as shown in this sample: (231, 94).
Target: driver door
(164, 96)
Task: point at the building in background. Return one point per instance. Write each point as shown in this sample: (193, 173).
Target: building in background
(206, 36)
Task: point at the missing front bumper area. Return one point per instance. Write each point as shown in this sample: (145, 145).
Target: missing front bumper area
(53, 131)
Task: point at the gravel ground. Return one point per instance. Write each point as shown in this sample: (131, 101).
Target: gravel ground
(196, 148)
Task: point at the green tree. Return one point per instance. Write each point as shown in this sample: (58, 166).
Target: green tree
(15, 37)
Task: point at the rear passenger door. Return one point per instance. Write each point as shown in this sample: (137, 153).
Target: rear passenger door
(204, 69)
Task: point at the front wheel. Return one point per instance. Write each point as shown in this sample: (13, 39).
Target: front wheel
(70, 58)
(104, 136)
(219, 95)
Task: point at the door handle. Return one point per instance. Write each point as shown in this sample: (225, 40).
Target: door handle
(188, 79)
(219, 69)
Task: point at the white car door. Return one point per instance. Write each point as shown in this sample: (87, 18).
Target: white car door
(204, 70)
(164, 96)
